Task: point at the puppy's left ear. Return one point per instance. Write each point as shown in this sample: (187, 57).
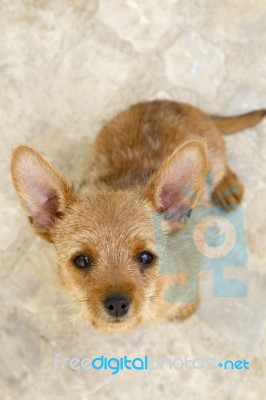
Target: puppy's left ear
(177, 185)
(43, 193)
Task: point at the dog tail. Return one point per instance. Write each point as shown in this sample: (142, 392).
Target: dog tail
(229, 125)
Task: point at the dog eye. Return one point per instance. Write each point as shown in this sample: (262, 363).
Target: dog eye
(146, 258)
(82, 261)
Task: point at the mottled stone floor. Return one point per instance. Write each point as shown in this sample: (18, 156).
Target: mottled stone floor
(66, 66)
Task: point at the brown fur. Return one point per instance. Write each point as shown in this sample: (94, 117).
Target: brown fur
(138, 166)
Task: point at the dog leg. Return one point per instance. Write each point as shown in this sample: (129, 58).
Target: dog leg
(229, 191)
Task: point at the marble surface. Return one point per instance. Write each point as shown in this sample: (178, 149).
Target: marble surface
(66, 66)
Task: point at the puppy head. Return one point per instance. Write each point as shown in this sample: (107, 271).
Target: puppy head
(107, 259)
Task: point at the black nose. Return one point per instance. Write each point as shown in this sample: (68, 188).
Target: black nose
(117, 305)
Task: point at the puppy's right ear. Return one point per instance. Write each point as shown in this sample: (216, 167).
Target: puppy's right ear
(177, 185)
(43, 193)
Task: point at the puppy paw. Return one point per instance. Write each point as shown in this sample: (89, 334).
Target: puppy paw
(229, 191)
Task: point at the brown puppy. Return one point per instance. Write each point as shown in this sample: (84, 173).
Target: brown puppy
(145, 162)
